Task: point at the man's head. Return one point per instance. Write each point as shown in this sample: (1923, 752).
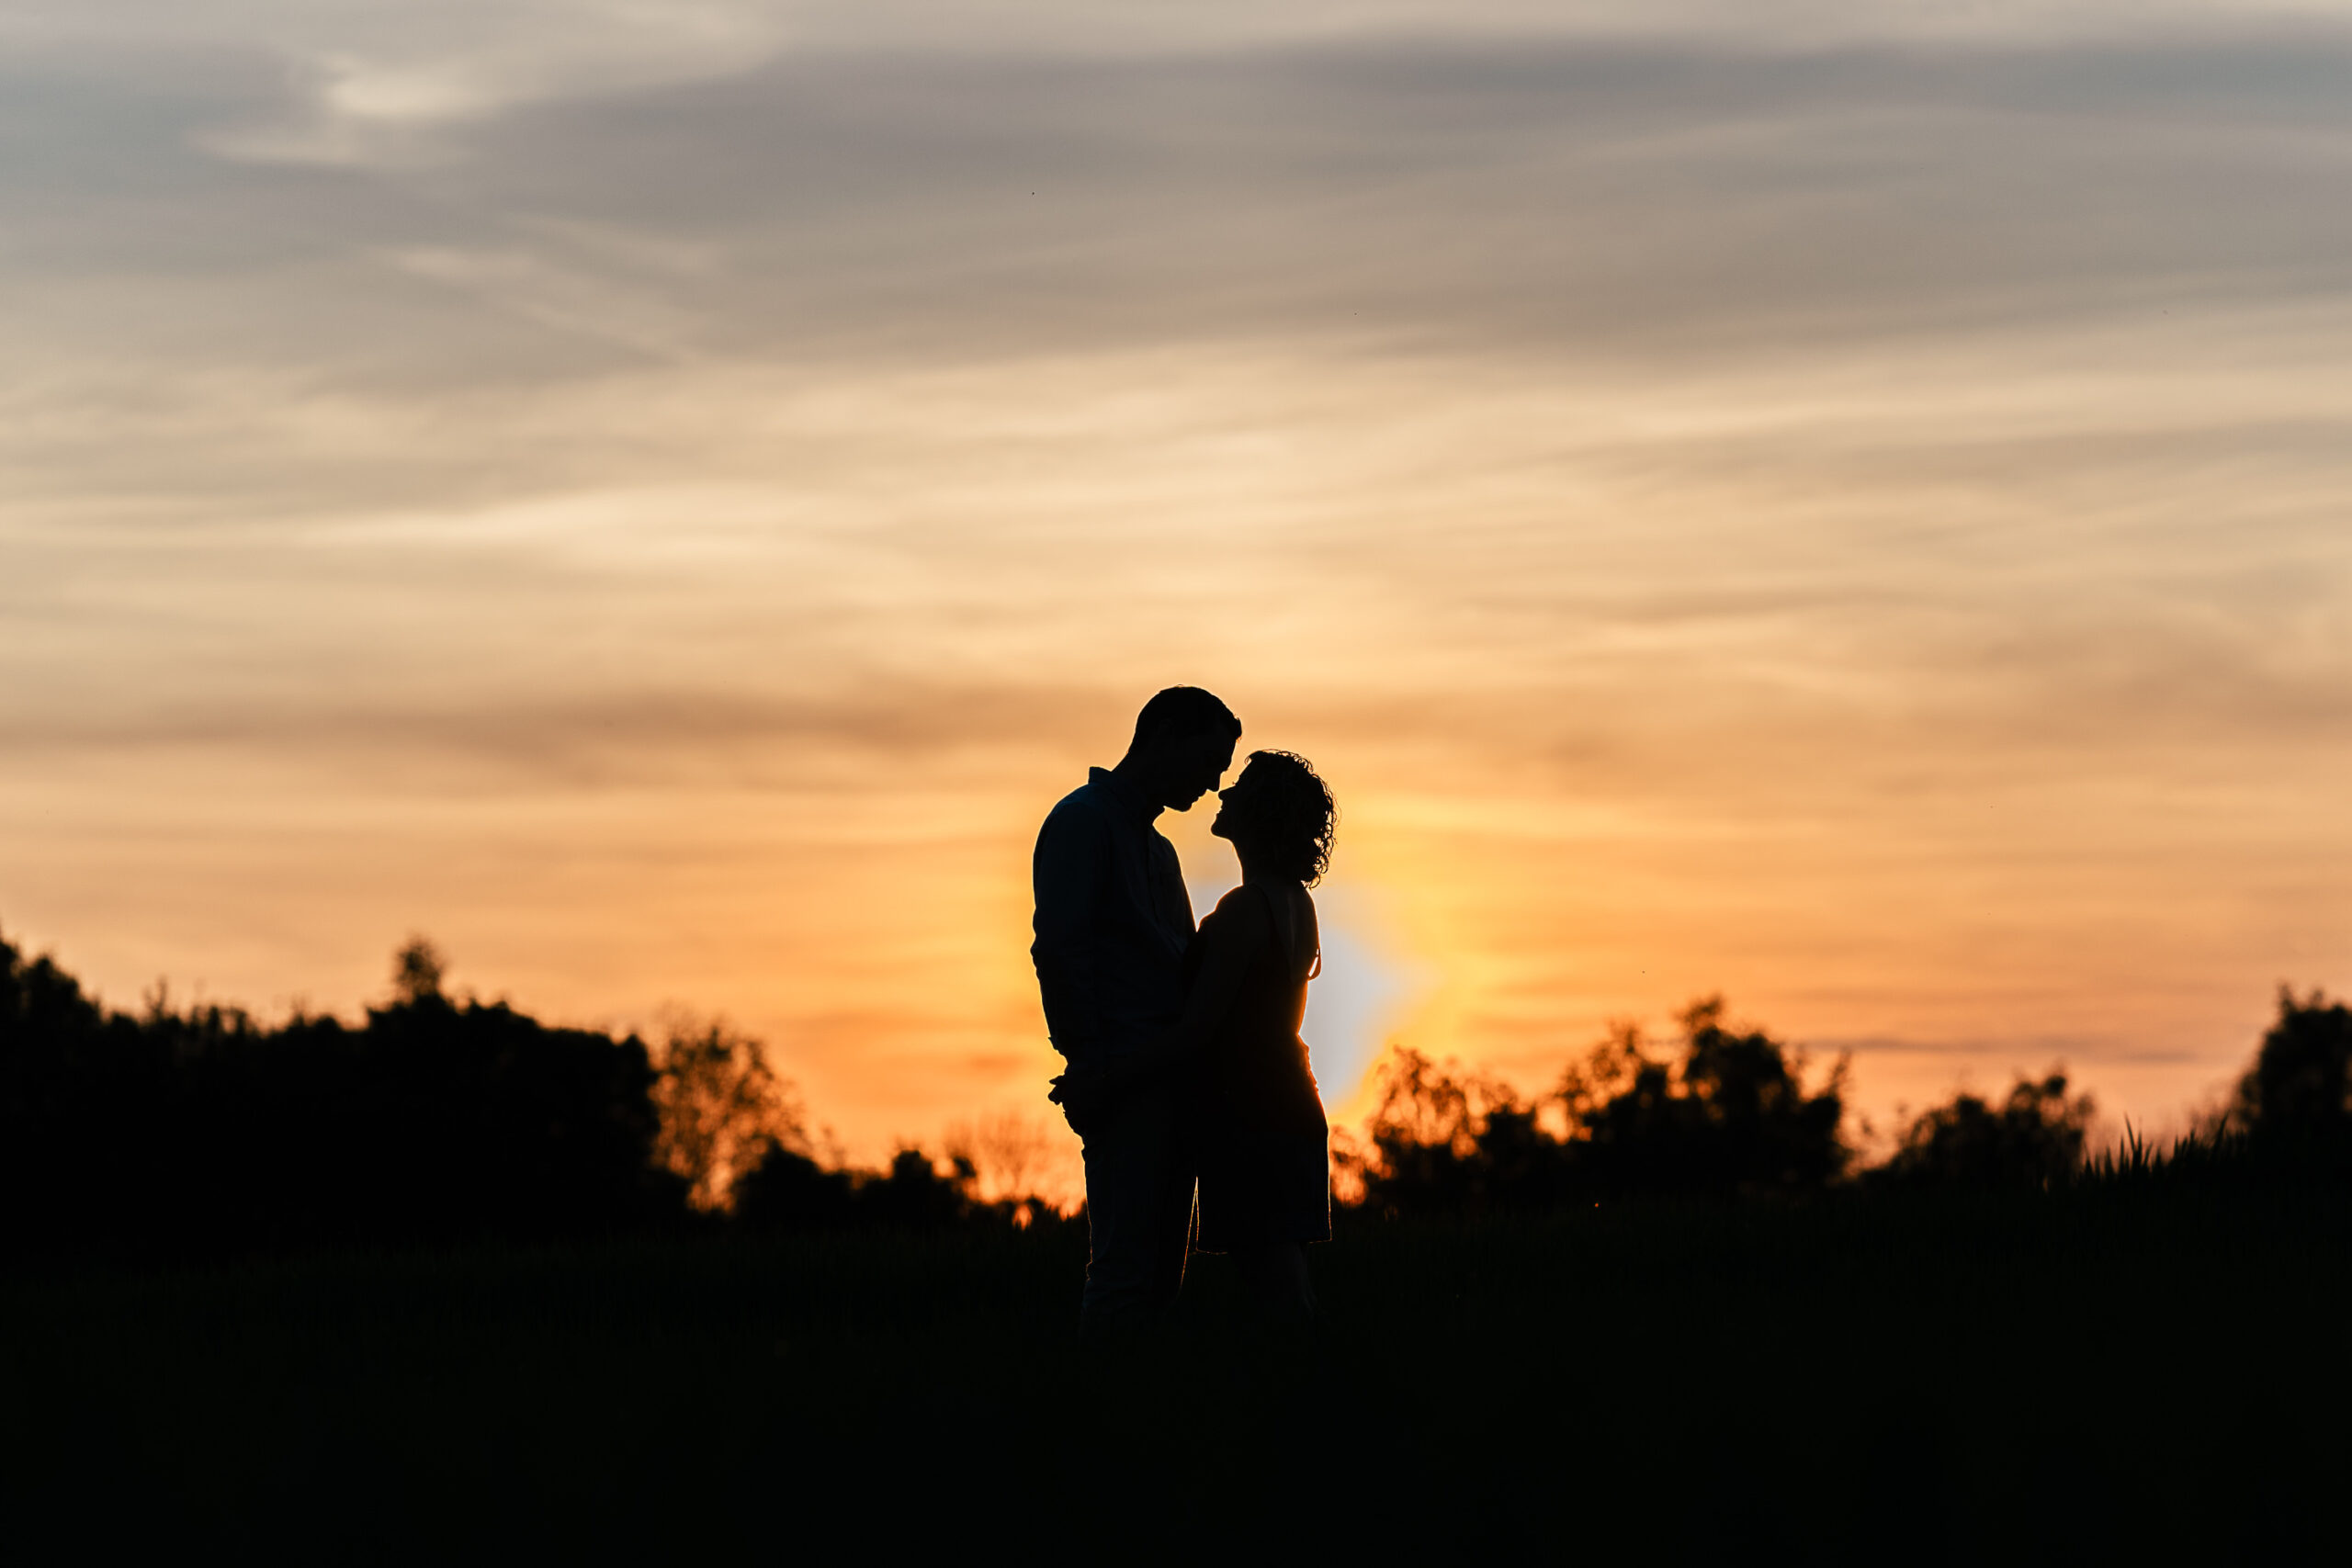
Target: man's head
(1182, 745)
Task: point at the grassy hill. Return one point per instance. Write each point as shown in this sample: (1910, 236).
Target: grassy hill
(2121, 1367)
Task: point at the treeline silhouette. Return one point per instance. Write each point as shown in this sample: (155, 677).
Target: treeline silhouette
(200, 1132)
(1727, 1112)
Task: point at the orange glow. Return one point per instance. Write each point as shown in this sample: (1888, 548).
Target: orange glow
(1839, 544)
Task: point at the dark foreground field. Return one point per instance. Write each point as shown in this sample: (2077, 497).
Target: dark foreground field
(2037, 1377)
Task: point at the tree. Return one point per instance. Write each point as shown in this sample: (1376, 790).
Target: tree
(1014, 1158)
(1445, 1140)
(913, 1195)
(203, 1133)
(84, 1100)
(2032, 1139)
(720, 1109)
(2300, 1087)
(417, 971)
(1733, 1115)
(788, 1190)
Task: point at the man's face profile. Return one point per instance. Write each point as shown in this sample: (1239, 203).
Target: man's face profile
(1197, 763)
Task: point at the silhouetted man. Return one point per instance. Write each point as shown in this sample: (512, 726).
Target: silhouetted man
(1112, 924)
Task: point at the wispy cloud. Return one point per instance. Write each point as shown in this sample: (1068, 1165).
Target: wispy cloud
(566, 298)
(385, 86)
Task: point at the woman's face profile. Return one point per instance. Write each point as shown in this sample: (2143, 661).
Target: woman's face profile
(1233, 803)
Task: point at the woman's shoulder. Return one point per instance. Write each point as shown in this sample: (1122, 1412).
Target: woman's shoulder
(1260, 914)
(1244, 906)
(1261, 899)
(1241, 916)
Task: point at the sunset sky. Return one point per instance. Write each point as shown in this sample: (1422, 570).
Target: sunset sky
(1845, 505)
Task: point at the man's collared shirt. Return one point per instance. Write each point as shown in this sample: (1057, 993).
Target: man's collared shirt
(1113, 922)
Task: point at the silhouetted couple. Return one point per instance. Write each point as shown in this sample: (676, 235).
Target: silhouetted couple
(1186, 1067)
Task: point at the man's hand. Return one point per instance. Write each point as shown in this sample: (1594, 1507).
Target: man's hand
(1090, 1092)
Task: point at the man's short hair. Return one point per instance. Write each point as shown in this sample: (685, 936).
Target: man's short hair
(1184, 710)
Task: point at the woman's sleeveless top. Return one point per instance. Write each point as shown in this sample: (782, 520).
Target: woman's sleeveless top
(1255, 1081)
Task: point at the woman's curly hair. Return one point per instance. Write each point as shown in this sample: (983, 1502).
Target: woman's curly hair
(1294, 820)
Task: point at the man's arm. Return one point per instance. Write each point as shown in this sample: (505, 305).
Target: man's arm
(1069, 873)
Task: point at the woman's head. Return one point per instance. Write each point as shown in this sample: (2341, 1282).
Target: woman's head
(1278, 814)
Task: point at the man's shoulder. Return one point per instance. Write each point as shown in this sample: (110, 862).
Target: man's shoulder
(1085, 808)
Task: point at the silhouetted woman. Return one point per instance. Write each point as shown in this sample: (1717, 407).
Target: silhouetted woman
(1264, 1144)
